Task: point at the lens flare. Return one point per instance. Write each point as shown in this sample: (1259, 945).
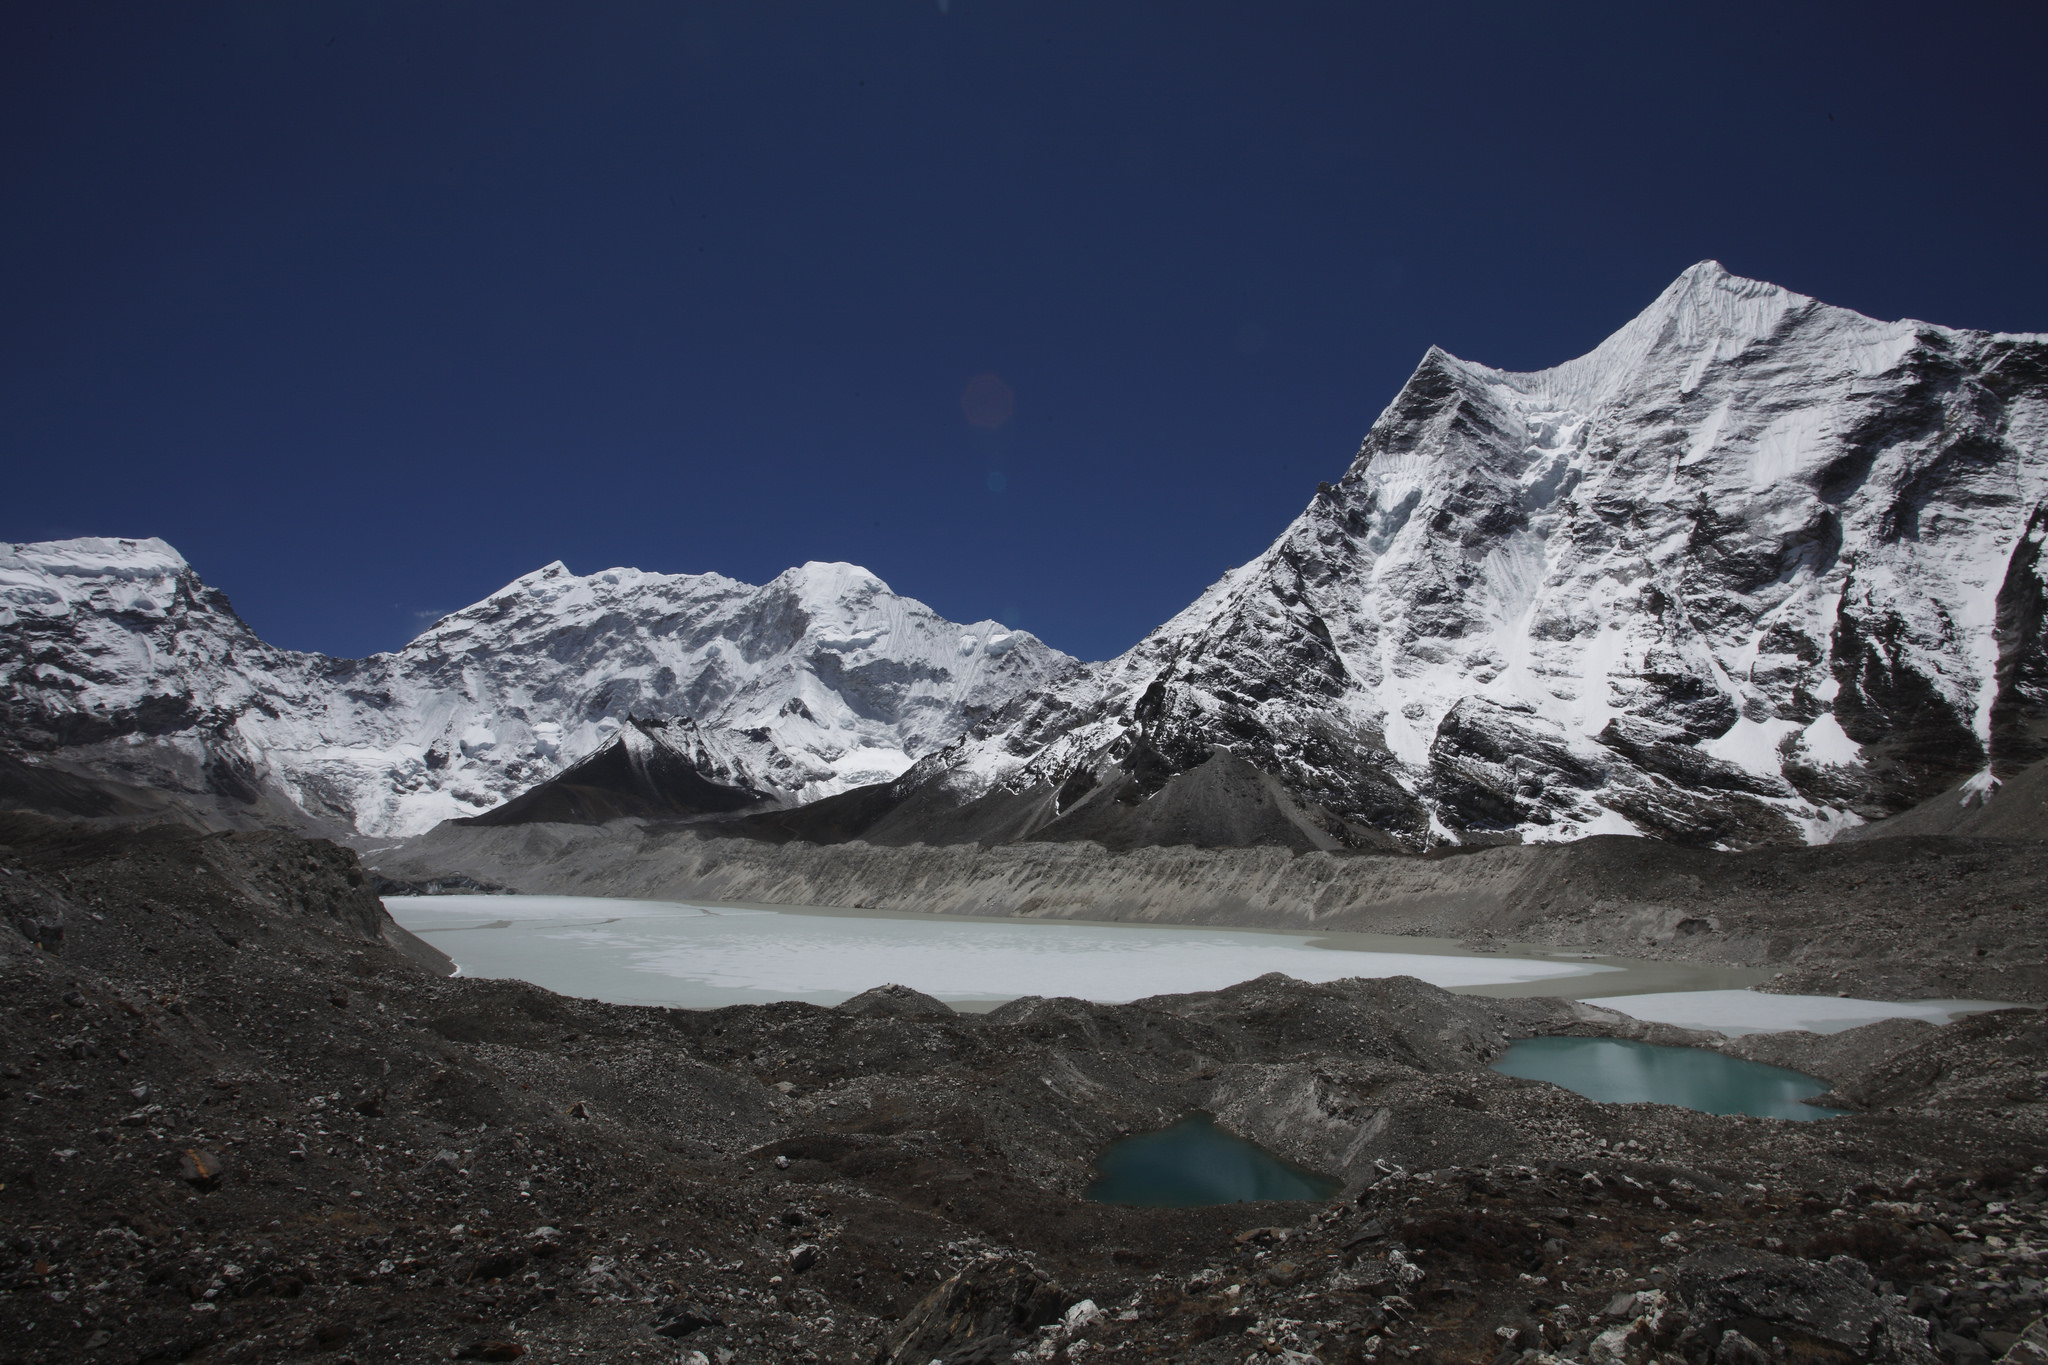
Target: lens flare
(988, 402)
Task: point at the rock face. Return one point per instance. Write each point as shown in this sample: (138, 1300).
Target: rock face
(117, 661)
(1982, 807)
(1755, 570)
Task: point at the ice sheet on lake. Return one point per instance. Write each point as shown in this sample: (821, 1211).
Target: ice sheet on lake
(1739, 1012)
(653, 952)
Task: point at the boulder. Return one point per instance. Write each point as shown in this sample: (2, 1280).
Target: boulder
(680, 1317)
(1811, 1307)
(2030, 1347)
(998, 1297)
(199, 1167)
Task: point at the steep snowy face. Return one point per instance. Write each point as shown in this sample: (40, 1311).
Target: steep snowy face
(821, 680)
(106, 639)
(115, 654)
(1753, 570)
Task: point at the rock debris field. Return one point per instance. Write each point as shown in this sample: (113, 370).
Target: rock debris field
(247, 1119)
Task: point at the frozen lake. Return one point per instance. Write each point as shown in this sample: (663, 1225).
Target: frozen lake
(1739, 1012)
(700, 956)
(694, 956)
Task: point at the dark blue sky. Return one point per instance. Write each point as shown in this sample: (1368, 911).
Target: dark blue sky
(369, 308)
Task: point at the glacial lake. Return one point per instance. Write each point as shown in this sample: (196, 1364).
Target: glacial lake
(1618, 1071)
(700, 956)
(703, 956)
(1194, 1163)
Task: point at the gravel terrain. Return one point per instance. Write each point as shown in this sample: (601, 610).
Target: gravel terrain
(246, 1119)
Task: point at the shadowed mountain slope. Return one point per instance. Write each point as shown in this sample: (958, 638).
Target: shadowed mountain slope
(1982, 808)
(652, 769)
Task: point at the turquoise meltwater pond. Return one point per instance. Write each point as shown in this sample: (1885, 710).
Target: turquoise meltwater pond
(1194, 1163)
(1616, 1071)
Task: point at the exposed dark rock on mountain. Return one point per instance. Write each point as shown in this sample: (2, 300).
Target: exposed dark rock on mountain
(1981, 808)
(30, 786)
(1221, 800)
(2019, 712)
(651, 769)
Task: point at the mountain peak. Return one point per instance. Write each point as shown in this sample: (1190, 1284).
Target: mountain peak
(1707, 313)
(1611, 596)
(1740, 574)
(1709, 298)
(649, 769)
(99, 557)
(53, 579)
(832, 585)
(833, 574)
(1704, 272)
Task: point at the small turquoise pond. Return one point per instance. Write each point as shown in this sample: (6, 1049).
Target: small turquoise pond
(1616, 1071)
(1194, 1163)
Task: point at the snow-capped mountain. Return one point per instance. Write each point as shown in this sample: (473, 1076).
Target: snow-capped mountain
(117, 659)
(1754, 570)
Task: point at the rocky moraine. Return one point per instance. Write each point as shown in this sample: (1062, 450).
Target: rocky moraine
(248, 1119)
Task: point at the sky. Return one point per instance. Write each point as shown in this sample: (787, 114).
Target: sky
(1047, 312)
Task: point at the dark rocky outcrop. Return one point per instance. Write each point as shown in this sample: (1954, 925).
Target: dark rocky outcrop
(650, 770)
(896, 1002)
(2019, 713)
(1783, 1303)
(982, 1313)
